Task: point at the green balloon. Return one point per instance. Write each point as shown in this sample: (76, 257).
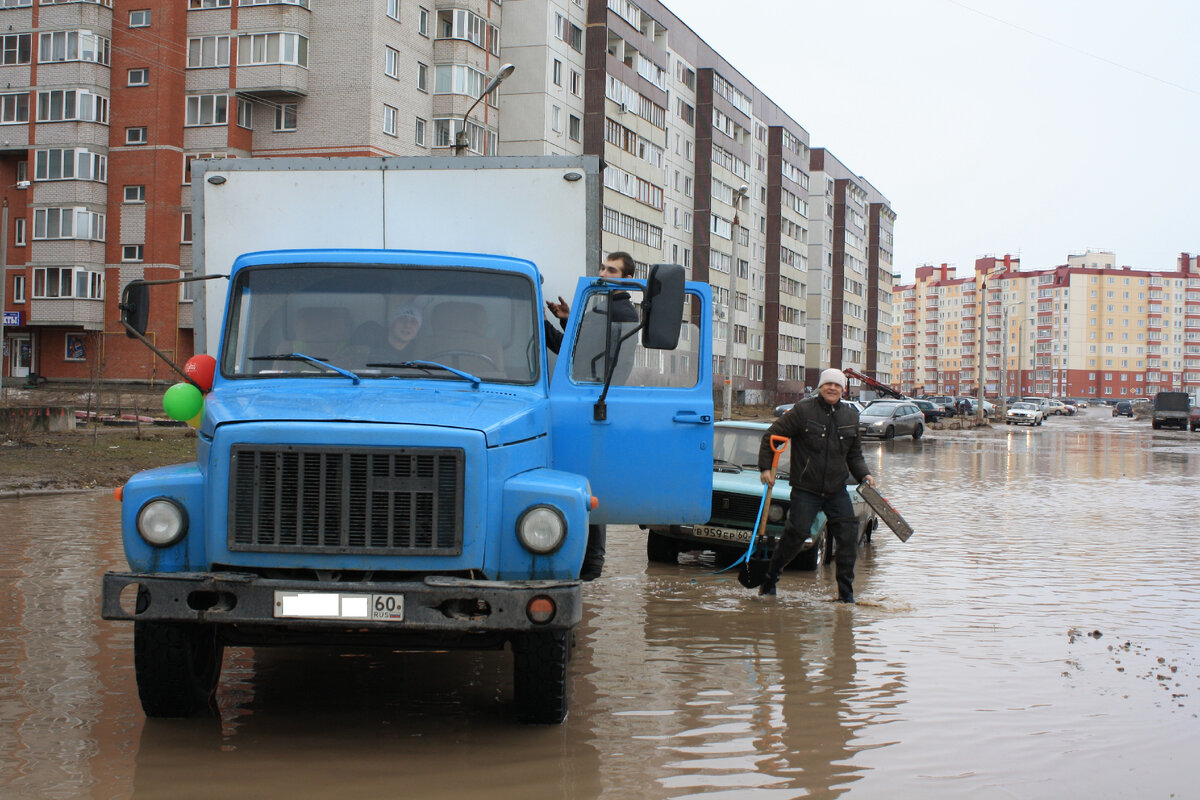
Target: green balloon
(182, 402)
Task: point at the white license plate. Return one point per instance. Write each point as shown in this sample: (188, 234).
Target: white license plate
(724, 534)
(340, 605)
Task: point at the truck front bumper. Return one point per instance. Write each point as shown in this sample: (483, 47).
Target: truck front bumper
(435, 605)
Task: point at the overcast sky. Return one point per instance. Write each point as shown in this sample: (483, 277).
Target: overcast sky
(1033, 127)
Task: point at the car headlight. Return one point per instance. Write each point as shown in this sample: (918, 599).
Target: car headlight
(776, 512)
(162, 522)
(541, 529)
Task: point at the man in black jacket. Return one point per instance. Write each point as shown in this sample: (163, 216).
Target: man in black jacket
(825, 451)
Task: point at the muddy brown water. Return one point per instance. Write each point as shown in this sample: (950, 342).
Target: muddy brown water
(1036, 638)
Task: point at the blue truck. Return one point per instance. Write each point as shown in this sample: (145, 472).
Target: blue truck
(347, 493)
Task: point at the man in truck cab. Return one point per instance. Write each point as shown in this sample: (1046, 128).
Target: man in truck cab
(618, 265)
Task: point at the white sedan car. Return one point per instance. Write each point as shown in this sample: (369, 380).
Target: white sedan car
(1024, 414)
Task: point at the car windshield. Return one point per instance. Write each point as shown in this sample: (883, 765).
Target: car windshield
(382, 321)
(1024, 407)
(880, 408)
(739, 447)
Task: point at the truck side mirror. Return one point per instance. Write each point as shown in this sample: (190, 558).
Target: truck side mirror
(662, 308)
(135, 308)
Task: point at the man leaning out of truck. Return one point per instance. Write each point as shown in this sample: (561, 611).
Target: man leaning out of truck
(825, 451)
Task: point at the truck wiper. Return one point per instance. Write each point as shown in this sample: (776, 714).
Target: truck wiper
(720, 462)
(309, 359)
(429, 366)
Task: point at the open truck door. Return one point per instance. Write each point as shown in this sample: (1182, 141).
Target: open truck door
(632, 397)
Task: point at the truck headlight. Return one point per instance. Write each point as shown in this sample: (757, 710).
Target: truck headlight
(162, 522)
(775, 512)
(541, 529)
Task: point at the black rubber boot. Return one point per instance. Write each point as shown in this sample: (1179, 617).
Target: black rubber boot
(767, 587)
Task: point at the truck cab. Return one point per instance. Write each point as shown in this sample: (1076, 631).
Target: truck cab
(354, 486)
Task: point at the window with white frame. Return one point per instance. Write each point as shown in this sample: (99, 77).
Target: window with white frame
(461, 79)
(480, 140)
(390, 116)
(77, 282)
(16, 48)
(136, 135)
(185, 232)
(59, 105)
(68, 223)
(576, 83)
(14, 108)
(556, 73)
(245, 113)
(15, 3)
(139, 18)
(393, 9)
(207, 109)
(195, 5)
(132, 252)
(285, 116)
(423, 22)
(208, 51)
(73, 46)
(135, 194)
(301, 3)
(272, 48)
(73, 163)
(138, 77)
(457, 23)
(419, 132)
(575, 129)
(555, 122)
(422, 77)
(391, 62)
(19, 241)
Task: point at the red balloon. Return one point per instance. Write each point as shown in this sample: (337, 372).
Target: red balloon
(200, 369)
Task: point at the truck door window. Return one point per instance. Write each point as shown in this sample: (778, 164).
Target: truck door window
(635, 365)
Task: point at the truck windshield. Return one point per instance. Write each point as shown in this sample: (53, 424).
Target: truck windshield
(377, 320)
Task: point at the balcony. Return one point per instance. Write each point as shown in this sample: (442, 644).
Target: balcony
(89, 314)
(266, 80)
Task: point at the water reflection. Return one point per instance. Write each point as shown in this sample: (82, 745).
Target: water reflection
(1039, 631)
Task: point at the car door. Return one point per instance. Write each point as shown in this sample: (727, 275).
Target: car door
(647, 450)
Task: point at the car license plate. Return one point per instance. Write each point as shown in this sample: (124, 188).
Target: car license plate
(340, 605)
(724, 534)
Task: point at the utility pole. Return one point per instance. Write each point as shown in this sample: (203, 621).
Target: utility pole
(726, 411)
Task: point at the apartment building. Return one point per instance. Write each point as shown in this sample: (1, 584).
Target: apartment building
(1088, 328)
(109, 103)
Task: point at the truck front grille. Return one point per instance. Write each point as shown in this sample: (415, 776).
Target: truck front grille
(381, 501)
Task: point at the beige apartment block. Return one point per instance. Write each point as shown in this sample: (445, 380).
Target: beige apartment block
(1088, 329)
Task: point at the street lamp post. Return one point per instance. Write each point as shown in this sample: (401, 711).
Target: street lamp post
(460, 139)
(726, 411)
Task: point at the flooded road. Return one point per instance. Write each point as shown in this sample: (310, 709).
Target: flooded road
(1036, 638)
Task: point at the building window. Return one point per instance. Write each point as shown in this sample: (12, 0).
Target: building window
(208, 51)
(422, 77)
(575, 128)
(557, 72)
(52, 282)
(555, 121)
(393, 9)
(185, 234)
(576, 83)
(68, 223)
(16, 48)
(139, 19)
(136, 135)
(285, 117)
(60, 105)
(207, 109)
(272, 48)
(391, 62)
(188, 159)
(245, 113)
(19, 241)
(75, 350)
(74, 163)
(390, 115)
(138, 77)
(423, 22)
(14, 108)
(73, 46)
(461, 79)
(135, 194)
(194, 5)
(19, 284)
(419, 133)
(131, 252)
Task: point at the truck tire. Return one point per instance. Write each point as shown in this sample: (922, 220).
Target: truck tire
(540, 677)
(177, 666)
(661, 549)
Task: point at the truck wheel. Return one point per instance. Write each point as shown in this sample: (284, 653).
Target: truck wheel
(540, 677)
(661, 549)
(177, 667)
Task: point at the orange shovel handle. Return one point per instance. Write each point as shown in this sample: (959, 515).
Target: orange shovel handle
(778, 443)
